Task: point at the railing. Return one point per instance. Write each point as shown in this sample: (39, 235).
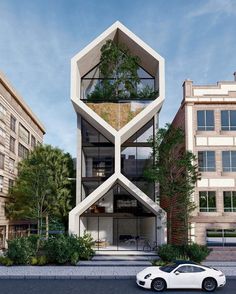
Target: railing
(146, 87)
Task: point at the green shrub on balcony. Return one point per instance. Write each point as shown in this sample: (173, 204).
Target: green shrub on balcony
(119, 76)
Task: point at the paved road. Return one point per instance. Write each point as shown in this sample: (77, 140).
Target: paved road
(90, 286)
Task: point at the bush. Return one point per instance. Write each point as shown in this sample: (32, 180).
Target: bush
(68, 249)
(20, 250)
(42, 260)
(5, 261)
(193, 252)
(59, 249)
(197, 252)
(168, 252)
(33, 260)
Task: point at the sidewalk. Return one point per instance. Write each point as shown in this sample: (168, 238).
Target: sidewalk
(98, 272)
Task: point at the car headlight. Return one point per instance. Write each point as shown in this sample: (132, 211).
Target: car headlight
(147, 276)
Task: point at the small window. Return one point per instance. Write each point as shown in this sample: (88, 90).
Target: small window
(33, 141)
(12, 144)
(229, 161)
(205, 120)
(2, 157)
(228, 120)
(229, 201)
(22, 151)
(206, 161)
(10, 185)
(2, 110)
(24, 134)
(207, 201)
(1, 183)
(11, 165)
(13, 123)
(2, 132)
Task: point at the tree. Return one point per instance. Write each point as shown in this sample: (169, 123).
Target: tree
(176, 171)
(42, 189)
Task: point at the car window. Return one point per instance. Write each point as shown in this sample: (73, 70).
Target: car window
(197, 269)
(168, 268)
(183, 269)
(189, 269)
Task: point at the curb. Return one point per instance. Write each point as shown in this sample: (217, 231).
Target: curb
(32, 277)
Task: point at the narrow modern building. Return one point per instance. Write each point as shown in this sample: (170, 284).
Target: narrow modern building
(208, 117)
(115, 203)
(20, 132)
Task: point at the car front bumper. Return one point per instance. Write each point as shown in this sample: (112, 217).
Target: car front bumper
(144, 283)
(221, 281)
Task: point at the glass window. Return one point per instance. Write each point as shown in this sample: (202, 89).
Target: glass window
(24, 134)
(13, 123)
(33, 141)
(2, 109)
(229, 201)
(2, 156)
(228, 120)
(10, 184)
(229, 161)
(207, 201)
(2, 133)
(22, 151)
(1, 183)
(196, 269)
(12, 144)
(206, 161)
(11, 165)
(205, 120)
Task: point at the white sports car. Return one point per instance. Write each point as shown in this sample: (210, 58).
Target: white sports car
(181, 275)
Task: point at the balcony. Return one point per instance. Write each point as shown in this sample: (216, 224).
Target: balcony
(116, 105)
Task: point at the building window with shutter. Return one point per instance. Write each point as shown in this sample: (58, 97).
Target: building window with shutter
(24, 134)
(12, 144)
(2, 157)
(22, 151)
(13, 123)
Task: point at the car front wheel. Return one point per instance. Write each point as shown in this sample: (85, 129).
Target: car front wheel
(158, 284)
(209, 284)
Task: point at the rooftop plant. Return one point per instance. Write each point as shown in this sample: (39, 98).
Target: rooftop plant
(119, 75)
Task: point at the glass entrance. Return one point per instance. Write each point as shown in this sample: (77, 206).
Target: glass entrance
(118, 221)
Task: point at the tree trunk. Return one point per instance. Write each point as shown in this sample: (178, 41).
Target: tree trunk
(47, 226)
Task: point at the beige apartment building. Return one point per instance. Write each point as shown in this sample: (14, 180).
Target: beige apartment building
(20, 132)
(208, 116)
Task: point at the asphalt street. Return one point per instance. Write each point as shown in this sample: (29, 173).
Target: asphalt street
(90, 286)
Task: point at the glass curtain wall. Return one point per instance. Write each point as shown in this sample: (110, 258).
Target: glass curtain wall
(136, 156)
(118, 221)
(97, 159)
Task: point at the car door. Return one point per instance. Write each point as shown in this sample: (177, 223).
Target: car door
(182, 277)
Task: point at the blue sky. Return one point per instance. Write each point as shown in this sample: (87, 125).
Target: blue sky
(38, 38)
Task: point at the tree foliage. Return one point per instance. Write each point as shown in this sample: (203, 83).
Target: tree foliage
(176, 171)
(42, 189)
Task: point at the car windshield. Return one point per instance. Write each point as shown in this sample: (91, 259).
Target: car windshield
(169, 267)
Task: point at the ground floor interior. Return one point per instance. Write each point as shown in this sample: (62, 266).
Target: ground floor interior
(121, 232)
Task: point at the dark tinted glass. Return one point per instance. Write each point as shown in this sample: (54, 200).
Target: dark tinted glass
(232, 120)
(224, 120)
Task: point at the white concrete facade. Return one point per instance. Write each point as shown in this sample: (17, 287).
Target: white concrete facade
(81, 64)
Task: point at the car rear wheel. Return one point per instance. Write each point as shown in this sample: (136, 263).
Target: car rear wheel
(209, 284)
(158, 284)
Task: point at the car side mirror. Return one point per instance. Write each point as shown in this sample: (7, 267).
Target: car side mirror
(177, 273)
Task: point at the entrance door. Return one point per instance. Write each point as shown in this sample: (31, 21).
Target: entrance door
(2, 236)
(126, 233)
